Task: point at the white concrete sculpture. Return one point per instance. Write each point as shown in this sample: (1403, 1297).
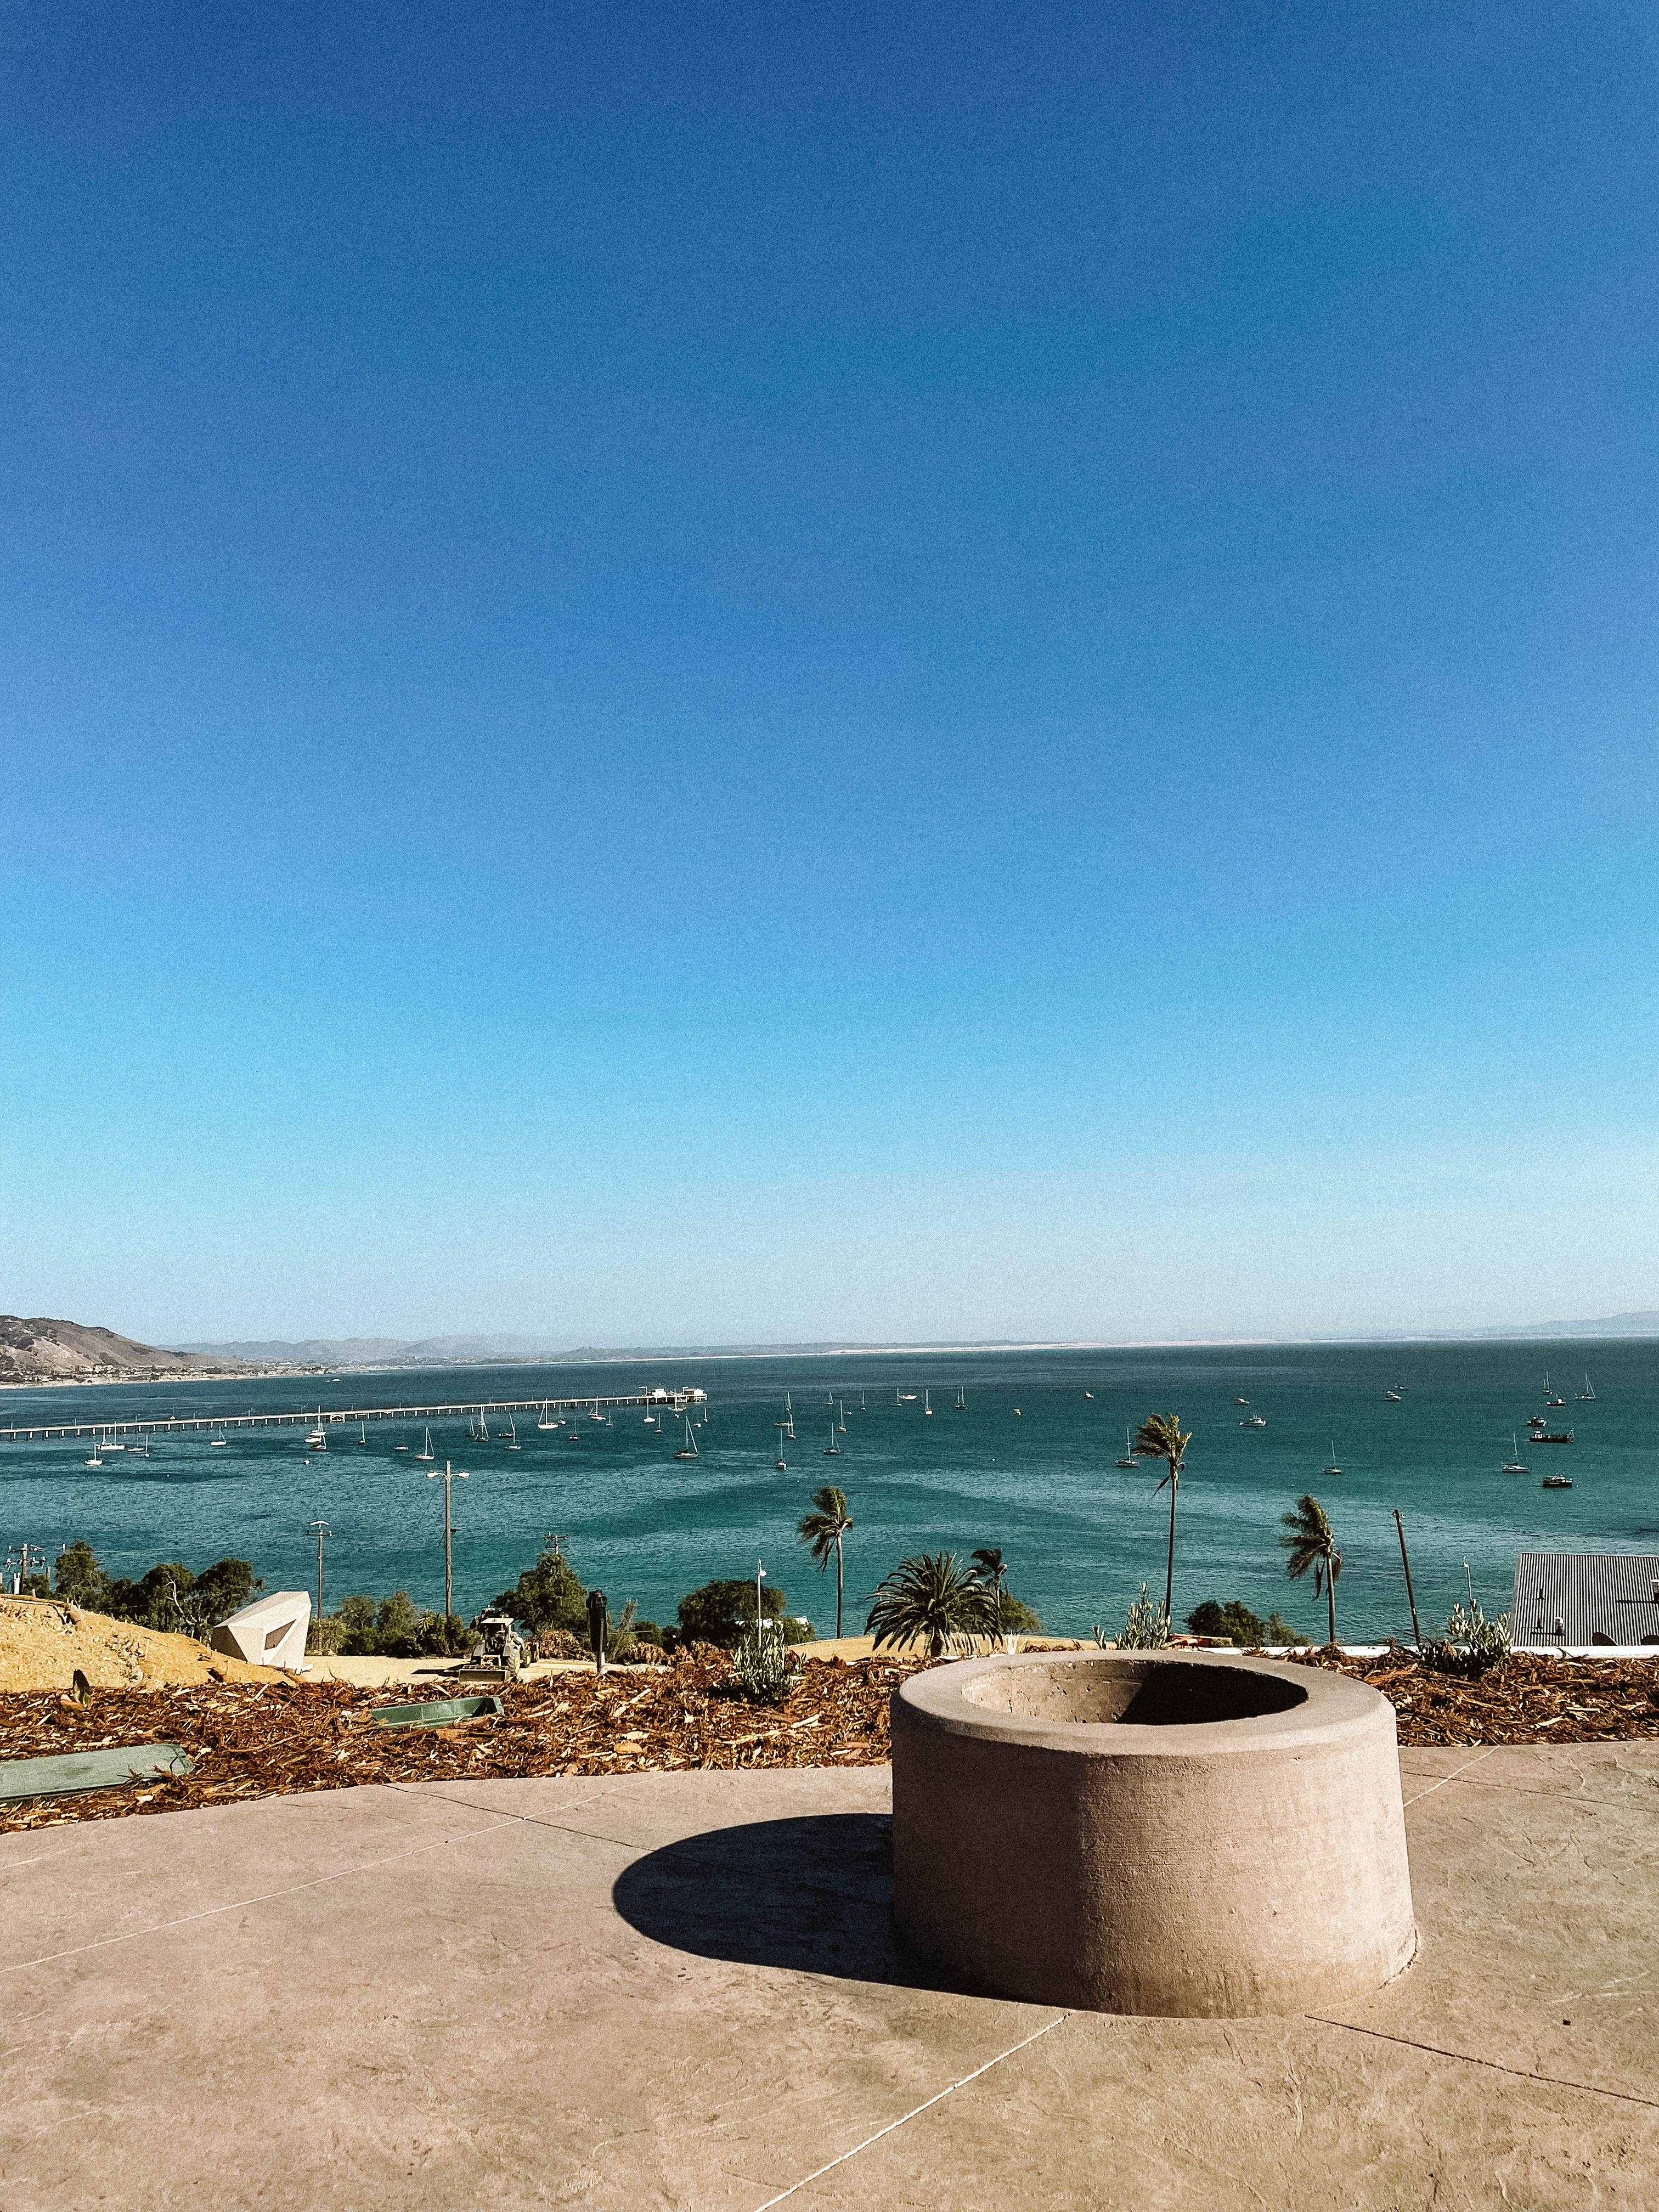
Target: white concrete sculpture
(270, 1632)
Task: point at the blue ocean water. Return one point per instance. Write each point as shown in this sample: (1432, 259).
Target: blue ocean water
(1027, 1465)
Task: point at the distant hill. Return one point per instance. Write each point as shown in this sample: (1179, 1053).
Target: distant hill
(42, 1350)
(1627, 1324)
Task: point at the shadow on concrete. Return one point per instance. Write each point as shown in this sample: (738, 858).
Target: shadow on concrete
(814, 1893)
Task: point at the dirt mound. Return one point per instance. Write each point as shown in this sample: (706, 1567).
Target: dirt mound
(42, 1643)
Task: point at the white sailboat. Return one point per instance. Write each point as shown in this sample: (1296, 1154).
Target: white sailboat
(927, 1406)
(426, 1451)
(545, 1423)
(832, 1449)
(842, 1423)
(1515, 1464)
(962, 1403)
(317, 1439)
(1333, 1468)
(1128, 1458)
(215, 1443)
(689, 1448)
(1586, 1395)
(512, 1439)
(362, 1433)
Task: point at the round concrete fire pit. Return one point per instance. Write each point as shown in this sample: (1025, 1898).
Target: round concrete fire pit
(1187, 1832)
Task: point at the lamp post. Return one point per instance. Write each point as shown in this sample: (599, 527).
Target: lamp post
(760, 1634)
(319, 1529)
(451, 1474)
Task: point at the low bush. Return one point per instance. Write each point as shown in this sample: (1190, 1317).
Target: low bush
(1146, 1627)
(762, 1667)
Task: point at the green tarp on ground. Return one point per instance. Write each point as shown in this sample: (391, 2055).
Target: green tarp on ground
(435, 1714)
(68, 1772)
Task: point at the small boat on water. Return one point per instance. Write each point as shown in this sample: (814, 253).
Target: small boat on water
(1552, 1396)
(596, 1415)
(832, 1449)
(1087, 1394)
(362, 1432)
(782, 1466)
(1254, 1421)
(841, 1425)
(1516, 1465)
(1391, 1397)
(1554, 1436)
(1128, 1458)
(1586, 1396)
(426, 1451)
(510, 1434)
(1556, 1482)
(927, 1406)
(545, 1422)
(217, 1443)
(1333, 1468)
(317, 1439)
(962, 1403)
(905, 1397)
(689, 1448)
(96, 1459)
(1241, 1401)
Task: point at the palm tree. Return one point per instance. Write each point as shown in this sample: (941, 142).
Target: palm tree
(991, 1569)
(1160, 1437)
(1311, 1542)
(823, 1528)
(930, 1600)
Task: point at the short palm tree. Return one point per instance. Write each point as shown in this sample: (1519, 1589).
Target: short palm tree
(930, 1601)
(1160, 1437)
(992, 1568)
(823, 1528)
(1311, 1542)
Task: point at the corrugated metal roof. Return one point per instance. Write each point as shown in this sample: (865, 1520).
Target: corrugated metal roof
(1587, 1597)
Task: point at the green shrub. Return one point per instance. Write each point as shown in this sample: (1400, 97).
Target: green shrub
(548, 1596)
(1232, 1619)
(722, 1613)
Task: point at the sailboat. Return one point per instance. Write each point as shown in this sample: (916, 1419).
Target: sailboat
(1586, 1395)
(362, 1432)
(962, 1403)
(112, 1444)
(863, 1408)
(1333, 1468)
(97, 1457)
(927, 1405)
(1087, 1394)
(1391, 1397)
(1515, 1465)
(787, 1426)
(317, 1439)
(908, 1397)
(426, 1450)
(1128, 1458)
(832, 1449)
(545, 1423)
(689, 1448)
(215, 1443)
(511, 1434)
(596, 1415)
(842, 1423)
(1551, 1396)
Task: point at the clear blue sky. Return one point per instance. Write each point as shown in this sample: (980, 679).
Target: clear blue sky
(789, 671)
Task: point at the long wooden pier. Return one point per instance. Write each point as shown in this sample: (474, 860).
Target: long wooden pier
(325, 1418)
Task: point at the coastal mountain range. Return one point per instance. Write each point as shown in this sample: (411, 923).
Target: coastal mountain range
(40, 1350)
(464, 1351)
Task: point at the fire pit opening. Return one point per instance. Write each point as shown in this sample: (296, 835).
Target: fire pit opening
(1140, 1692)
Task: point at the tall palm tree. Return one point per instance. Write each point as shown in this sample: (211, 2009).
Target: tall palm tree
(1311, 1542)
(823, 1528)
(930, 1601)
(1160, 1437)
(993, 1567)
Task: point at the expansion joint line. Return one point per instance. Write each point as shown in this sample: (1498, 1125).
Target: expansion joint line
(949, 2090)
(1494, 2065)
(1455, 1774)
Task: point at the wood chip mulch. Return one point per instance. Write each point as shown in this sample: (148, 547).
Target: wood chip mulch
(283, 1737)
(289, 1736)
(1529, 1699)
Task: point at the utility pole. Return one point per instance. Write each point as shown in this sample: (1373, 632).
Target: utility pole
(557, 1540)
(451, 1474)
(760, 1577)
(319, 1529)
(1417, 1633)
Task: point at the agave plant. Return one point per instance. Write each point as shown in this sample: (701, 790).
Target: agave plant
(1160, 1436)
(1311, 1542)
(931, 1600)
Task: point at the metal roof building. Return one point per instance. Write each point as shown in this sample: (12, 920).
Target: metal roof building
(1586, 1597)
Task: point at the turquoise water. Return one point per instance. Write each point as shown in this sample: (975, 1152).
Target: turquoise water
(1080, 1535)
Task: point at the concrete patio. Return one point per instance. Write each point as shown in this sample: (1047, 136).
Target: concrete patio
(681, 1990)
